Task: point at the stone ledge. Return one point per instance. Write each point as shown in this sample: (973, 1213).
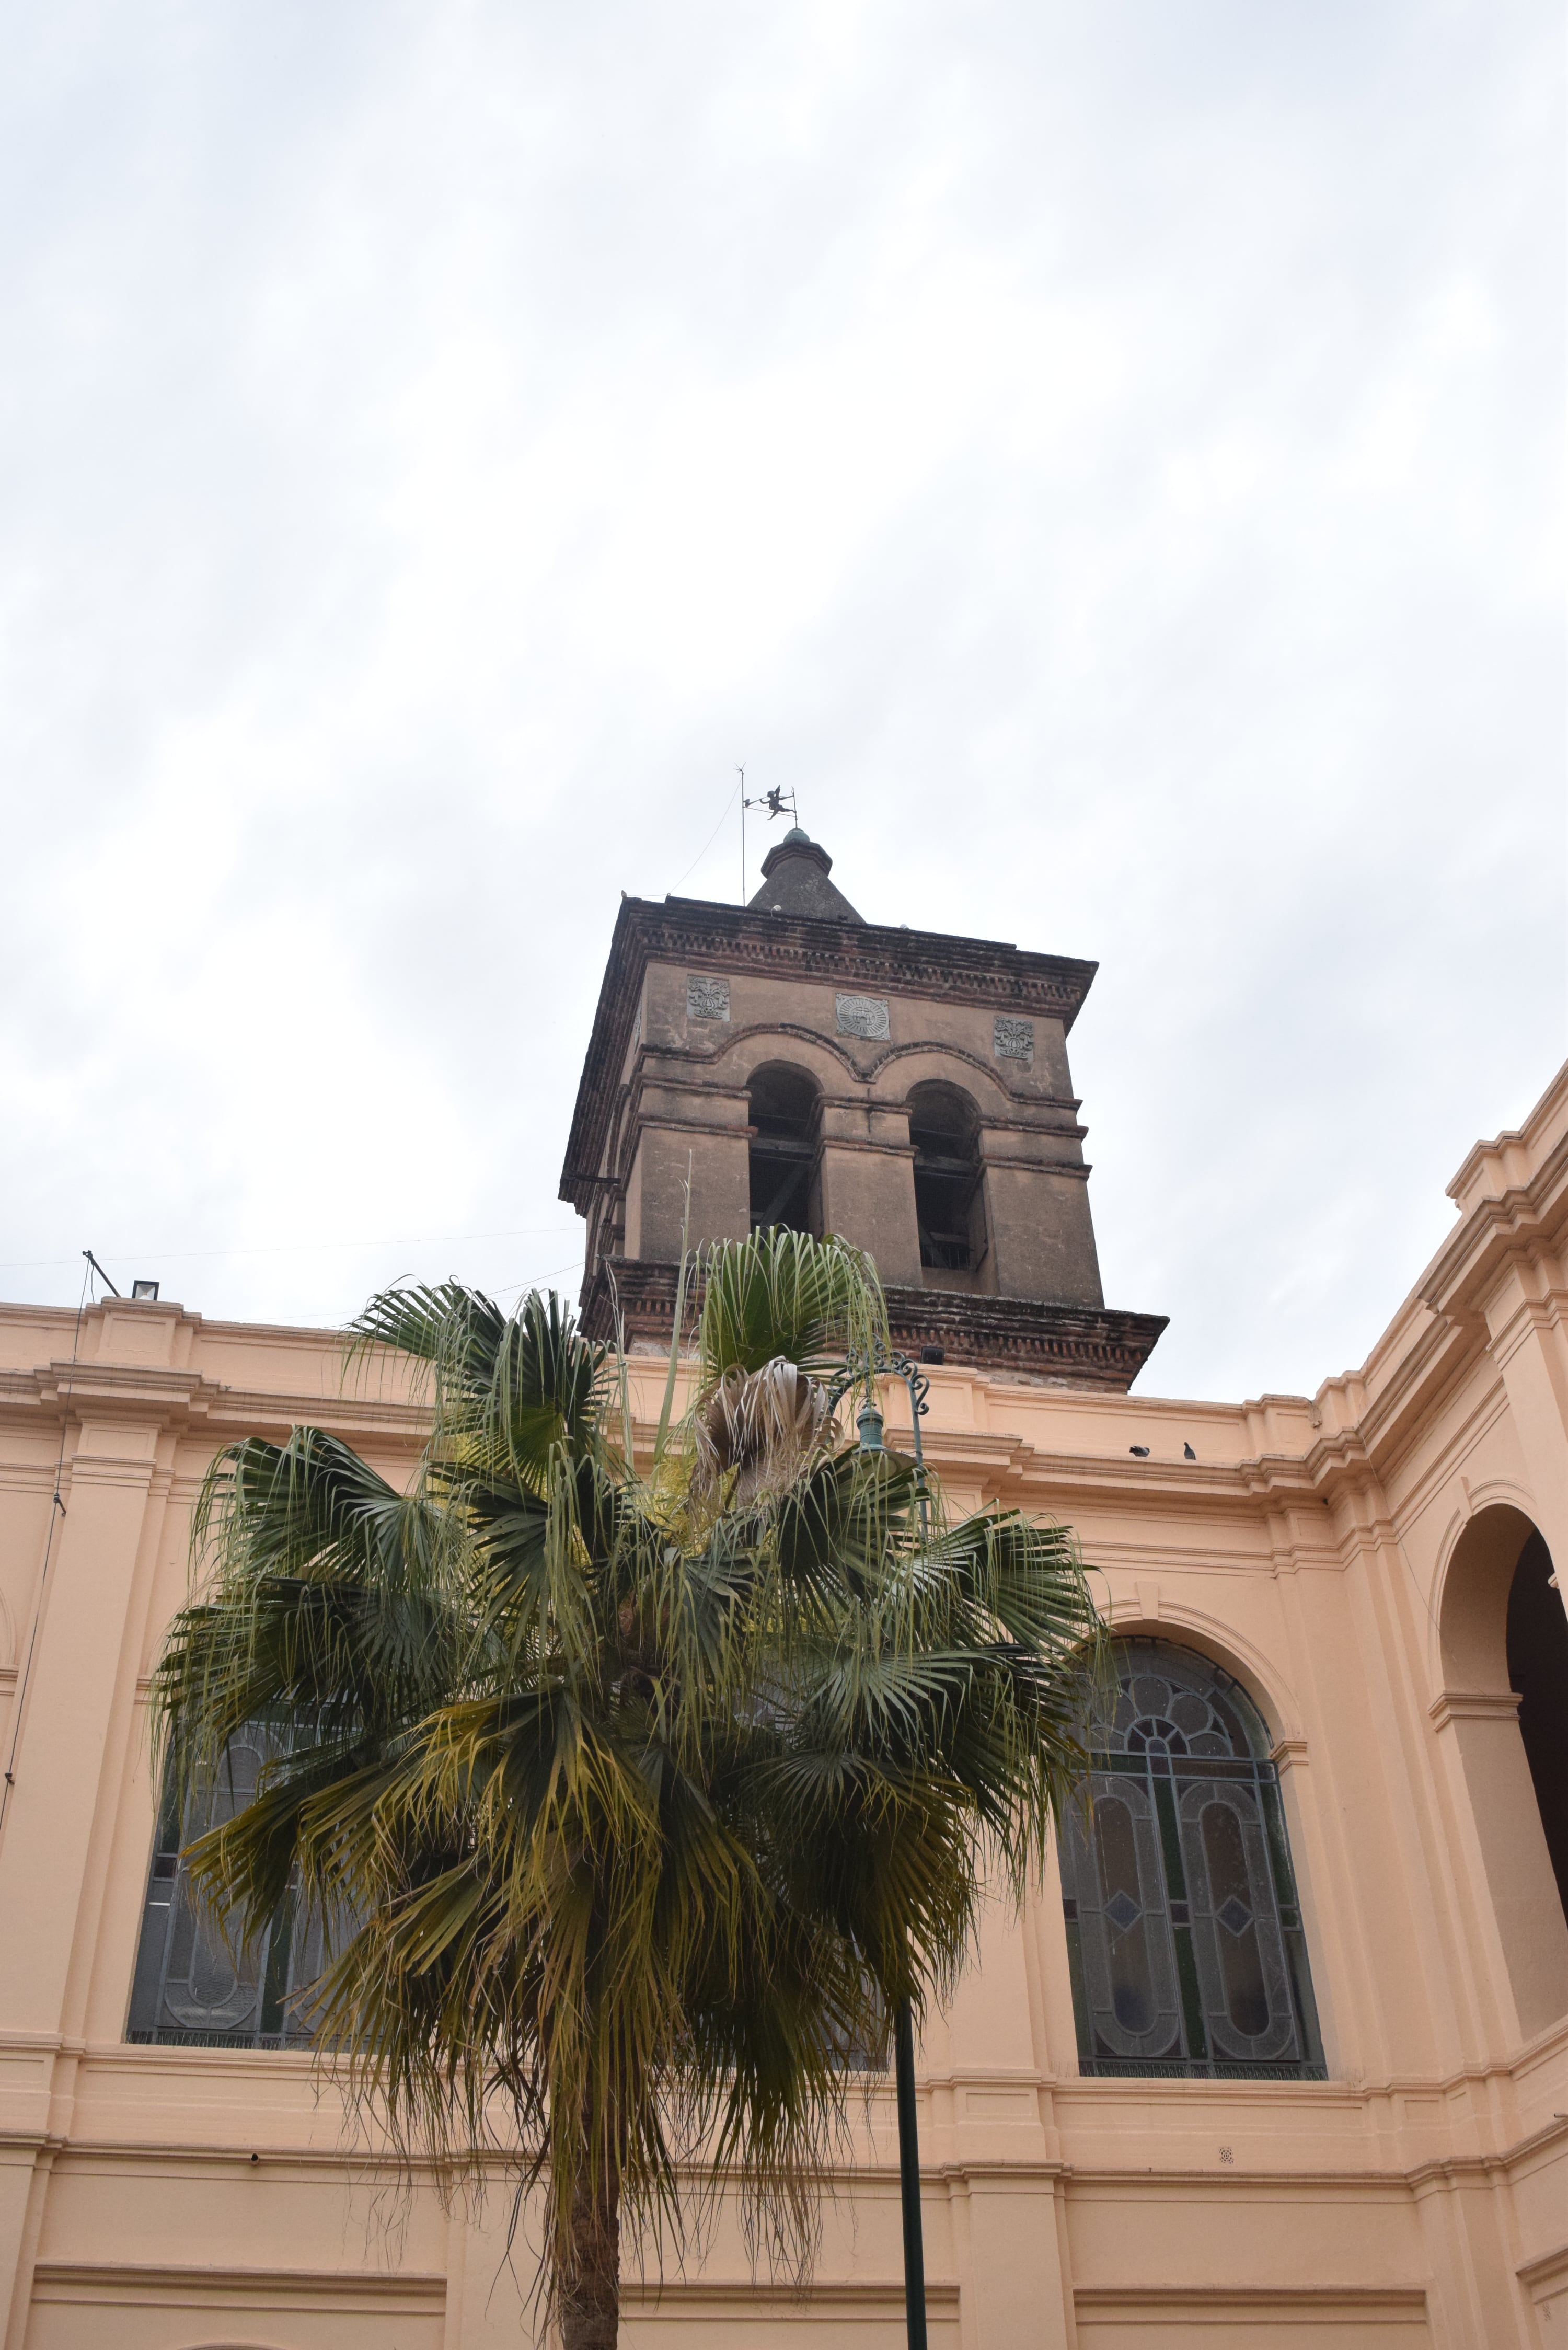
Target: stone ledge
(1081, 1347)
(1473, 1705)
(135, 2285)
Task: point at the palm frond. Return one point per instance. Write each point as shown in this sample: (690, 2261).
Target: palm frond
(328, 1594)
(781, 1292)
(509, 1388)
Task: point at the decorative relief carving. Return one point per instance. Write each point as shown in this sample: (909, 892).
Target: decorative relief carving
(862, 1015)
(706, 999)
(1015, 1039)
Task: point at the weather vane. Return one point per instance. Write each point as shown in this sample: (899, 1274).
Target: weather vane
(777, 802)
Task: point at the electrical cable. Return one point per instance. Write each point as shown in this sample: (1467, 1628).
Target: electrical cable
(708, 844)
(298, 1248)
(515, 1289)
(56, 1512)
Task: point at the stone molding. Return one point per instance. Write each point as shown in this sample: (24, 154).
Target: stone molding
(1063, 1346)
(1053, 1114)
(187, 1401)
(1473, 1705)
(1079, 1170)
(136, 2285)
(1304, 2304)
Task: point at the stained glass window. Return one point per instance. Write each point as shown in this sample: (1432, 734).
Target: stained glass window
(1184, 1931)
(191, 1989)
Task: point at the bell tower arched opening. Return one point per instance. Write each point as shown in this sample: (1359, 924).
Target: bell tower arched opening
(949, 1203)
(785, 1119)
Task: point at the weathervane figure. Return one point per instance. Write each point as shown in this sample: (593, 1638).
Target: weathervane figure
(777, 802)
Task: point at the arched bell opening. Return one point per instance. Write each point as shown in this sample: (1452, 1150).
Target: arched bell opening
(1505, 1701)
(785, 1118)
(949, 1195)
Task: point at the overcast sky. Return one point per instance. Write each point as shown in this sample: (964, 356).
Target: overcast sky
(1107, 460)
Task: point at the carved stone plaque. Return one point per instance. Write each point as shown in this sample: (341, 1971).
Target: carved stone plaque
(862, 1015)
(707, 999)
(1015, 1039)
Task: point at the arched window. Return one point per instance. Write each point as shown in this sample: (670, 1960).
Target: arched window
(783, 1104)
(944, 1128)
(191, 1989)
(1184, 1933)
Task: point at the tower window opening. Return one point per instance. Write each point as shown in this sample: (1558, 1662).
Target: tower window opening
(783, 1104)
(943, 1128)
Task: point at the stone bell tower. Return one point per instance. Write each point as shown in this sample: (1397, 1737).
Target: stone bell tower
(905, 1089)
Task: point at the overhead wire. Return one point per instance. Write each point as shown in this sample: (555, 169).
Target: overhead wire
(298, 1248)
(56, 1512)
(708, 844)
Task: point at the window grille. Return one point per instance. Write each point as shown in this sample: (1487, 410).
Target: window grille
(191, 1989)
(1184, 1929)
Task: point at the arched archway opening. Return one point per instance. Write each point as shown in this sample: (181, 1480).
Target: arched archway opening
(784, 1118)
(1505, 1701)
(950, 1207)
(1537, 1642)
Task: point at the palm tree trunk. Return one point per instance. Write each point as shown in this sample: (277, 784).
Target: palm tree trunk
(590, 2299)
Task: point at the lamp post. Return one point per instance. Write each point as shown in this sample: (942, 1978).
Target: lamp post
(880, 1364)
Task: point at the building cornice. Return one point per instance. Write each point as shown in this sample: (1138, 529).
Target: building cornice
(1080, 1346)
(187, 1399)
(1525, 1218)
(1441, 1329)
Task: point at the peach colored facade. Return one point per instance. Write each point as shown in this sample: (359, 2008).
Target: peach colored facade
(1346, 1558)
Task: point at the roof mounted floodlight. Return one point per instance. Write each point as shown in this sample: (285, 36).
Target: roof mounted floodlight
(147, 1289)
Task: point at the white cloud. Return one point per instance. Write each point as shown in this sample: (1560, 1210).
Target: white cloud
(1109, 461)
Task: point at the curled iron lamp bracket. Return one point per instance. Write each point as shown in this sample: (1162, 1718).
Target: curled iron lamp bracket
(864, 1368)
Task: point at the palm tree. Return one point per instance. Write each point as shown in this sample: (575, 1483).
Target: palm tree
(635, 1798)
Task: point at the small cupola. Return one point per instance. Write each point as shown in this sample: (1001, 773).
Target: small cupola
(794, 881)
